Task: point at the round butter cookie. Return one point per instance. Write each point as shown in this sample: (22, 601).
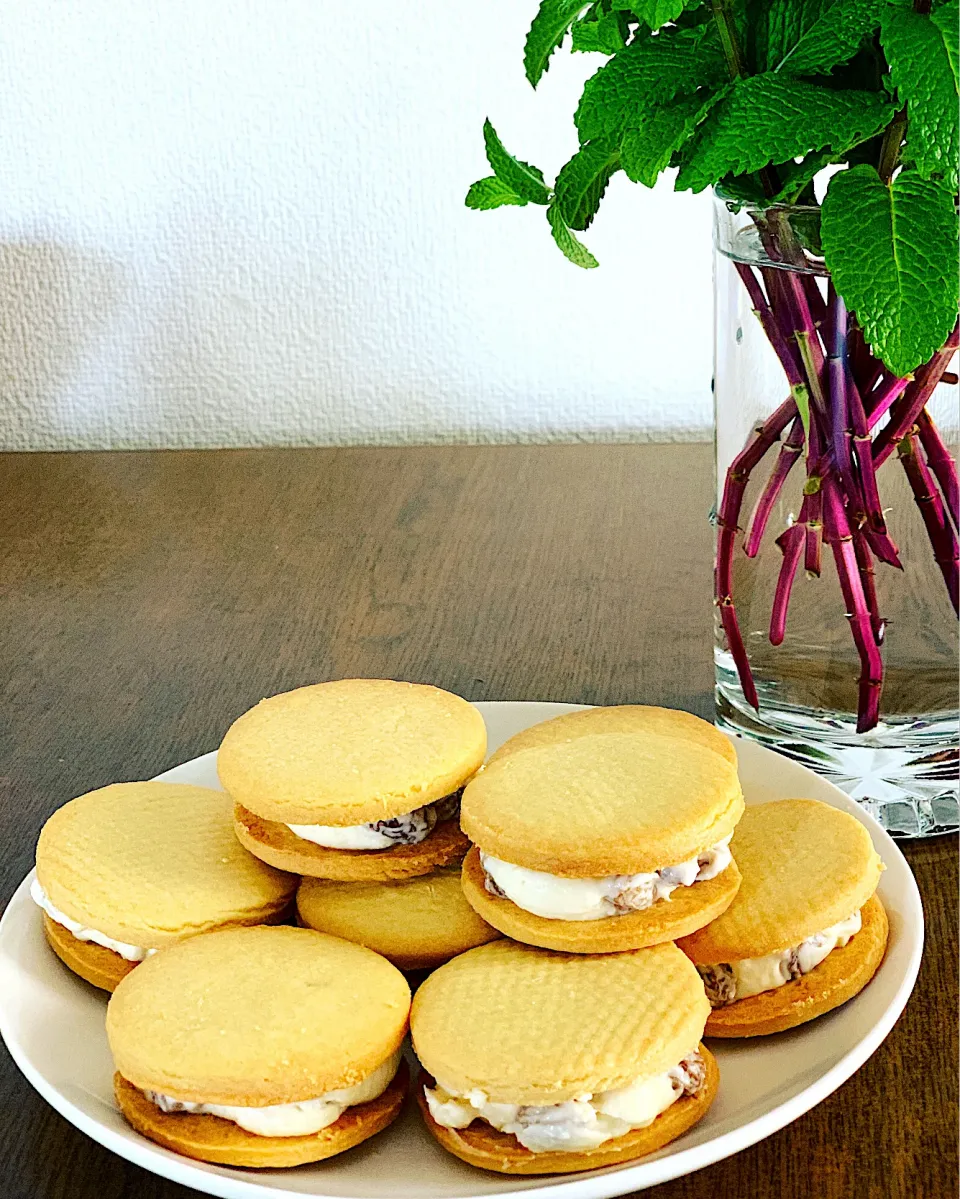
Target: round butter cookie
(509, 1024)
(275, 1028)
(134, 867)
(602, 803)
(807, 869)
(622, 718)
(603, 842)
(354, 780)
(417, 924)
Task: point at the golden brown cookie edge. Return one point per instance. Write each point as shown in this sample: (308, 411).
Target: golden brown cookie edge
(483, 1146)
(276, 845)
(664, 921)
(221, 1142)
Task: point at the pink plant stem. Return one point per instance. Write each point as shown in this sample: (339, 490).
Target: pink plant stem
(839, 418)
(734, 486)
(813, 525)
(941, 463)
(838, 535)
(770, 326)
(790, 451)
(942, 537)
(791, 542)
(913, 401)
(879, 539)
(868, 582)
(883, 397)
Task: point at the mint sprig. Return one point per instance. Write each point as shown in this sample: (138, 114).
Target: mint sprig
(760, 97)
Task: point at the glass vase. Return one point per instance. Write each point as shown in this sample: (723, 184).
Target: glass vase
(810, 689)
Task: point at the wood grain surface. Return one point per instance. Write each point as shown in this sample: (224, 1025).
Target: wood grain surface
(146, 599)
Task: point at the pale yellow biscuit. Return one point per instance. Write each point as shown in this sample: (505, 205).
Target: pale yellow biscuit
(841, 975)
(149, 863)
(351, 752)
(532, 1027)
(479, 1144)
(622, 718)
(276, 844)
(687, 909)
(805, 866)
(210, 1139)
(603, 803)
(416, 924)
(252, 1017)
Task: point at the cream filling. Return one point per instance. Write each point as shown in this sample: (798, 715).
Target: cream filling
(580, 1123)
(130, 953)
(727, 982)
(408, 829)
(290, 1119)
(556, 898)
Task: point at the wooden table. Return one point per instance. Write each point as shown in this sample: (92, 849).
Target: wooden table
(149, 598)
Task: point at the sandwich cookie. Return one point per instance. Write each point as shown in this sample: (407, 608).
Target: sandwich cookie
(134, 867)
(262, 1047)
(542, 1063)
(605, 842)
(622, 718)
(357, 780)
(416, 923)
(806, 931)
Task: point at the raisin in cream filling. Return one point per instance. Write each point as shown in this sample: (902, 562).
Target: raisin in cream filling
(130, 953)
(726, 982)
(556, 898)
(290, 1119)
(409, 829)
(580, 1123)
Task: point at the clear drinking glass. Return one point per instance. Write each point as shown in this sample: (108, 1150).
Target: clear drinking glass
(904, 771)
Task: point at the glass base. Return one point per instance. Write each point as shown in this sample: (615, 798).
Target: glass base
(904, 772)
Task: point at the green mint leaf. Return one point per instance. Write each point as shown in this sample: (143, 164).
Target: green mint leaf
(892, 250)
(805, 37)
(491, 193)
(576, 251)
(922, 60)
(648, 149)
(604, 35)
(768, 119)
(520, 177)
(947, 20)
(549, 28)
(655, 13)
(582, 181)
(653, 70)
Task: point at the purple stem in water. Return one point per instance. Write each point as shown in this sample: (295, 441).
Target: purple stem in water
(770, 326)
(881, 399)
(813, 524)
(734, 486)
(791, 542)
(840, 433)
(876, 533)
(942, 537)
(838, 535)
(790, 451)
(941, 463)
(913, 400)
(868, 582)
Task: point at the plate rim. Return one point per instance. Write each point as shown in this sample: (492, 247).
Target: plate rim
(209, 1180)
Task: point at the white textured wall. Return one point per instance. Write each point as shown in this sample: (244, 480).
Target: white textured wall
(234, 222)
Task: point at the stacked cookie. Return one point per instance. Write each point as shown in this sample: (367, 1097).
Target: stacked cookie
(616, 904)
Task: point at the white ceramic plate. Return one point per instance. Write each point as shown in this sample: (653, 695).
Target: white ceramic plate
(53, 1026)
